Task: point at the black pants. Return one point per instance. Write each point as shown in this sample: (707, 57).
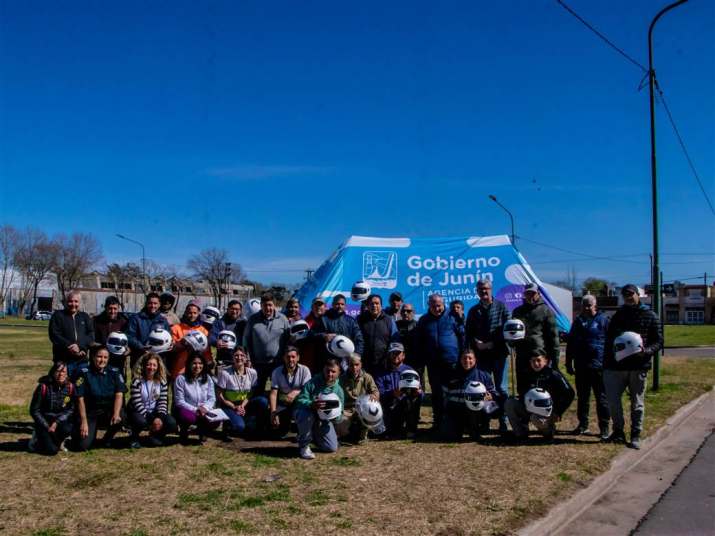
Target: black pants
(402, 415)
(439, 373)
(139, 422)
(49, 442)
(458, 419)
(264, 371)
(97, 418)
(587, 380)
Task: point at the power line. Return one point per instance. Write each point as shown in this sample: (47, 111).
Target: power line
(603, 37)
(571, 252)
(682, 145)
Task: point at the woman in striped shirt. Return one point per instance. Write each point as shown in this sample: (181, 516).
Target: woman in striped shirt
(148, 402)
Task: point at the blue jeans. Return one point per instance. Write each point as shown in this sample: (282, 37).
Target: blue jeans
(253, 420)
(311, 428)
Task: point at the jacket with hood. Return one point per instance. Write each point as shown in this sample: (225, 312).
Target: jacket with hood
(542, 335)
(638, 319)
(140, 325)
(552, 381)
(103, 326)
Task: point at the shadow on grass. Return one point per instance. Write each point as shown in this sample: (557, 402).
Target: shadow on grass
(16, 427)
(19, 445)
(279, 451)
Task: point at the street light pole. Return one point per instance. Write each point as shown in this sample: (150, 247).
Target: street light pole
(143, 253)
(655, 274)
(511, 217)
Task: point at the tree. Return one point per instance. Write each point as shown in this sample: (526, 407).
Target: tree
(177, 282)
(212, 266)
(123, 276)
(34, 259)
(595, 286)
(75, 256)
(9, 242)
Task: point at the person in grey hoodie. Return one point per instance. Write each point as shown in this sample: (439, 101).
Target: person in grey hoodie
(265, 337)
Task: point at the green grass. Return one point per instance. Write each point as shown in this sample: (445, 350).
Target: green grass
(689, 335)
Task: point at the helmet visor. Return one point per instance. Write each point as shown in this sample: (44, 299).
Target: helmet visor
(474, 397)
(116, 341)
(542, 403)
(330, 404)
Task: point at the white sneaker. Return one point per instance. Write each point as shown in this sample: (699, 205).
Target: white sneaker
(63, 446)
(306, 453)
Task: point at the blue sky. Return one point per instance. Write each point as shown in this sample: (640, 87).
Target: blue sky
(276, 130)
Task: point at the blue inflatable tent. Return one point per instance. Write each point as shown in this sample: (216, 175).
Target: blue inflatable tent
(418, 267)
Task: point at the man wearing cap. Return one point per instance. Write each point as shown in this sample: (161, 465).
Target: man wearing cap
(400, 408)
(167, 301)
(337, 322)
(378, 331)
(406, 328)
(395, 308)
(355, 382)
(542, 335)
(585, 350)
(630, 372)
(484, 334)
(440, 340)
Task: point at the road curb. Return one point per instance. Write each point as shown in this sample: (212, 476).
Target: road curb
(563, 518)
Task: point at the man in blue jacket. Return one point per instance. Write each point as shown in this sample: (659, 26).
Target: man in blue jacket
(440, 340)
(337, 322)
(141, 324)
(585, 349)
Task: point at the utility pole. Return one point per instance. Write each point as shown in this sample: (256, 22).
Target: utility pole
(511, 217)
(655, 274)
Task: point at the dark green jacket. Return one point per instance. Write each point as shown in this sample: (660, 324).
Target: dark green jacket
(542, 334)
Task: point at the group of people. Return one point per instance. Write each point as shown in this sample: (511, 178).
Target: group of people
(333, 377)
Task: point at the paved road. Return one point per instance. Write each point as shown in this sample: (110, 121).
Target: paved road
(706, 351)
(688, 507)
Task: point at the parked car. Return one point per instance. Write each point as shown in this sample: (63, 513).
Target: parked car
(41, 315)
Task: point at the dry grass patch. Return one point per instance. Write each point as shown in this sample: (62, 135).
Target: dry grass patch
(261, 487)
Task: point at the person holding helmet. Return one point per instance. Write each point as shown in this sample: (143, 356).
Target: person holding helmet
(111, 320)
(626, 362)
(539, 376)
(473, 414)
(292, 310)
(194, 398)
(287, 381)
(233, 321)
(166, 307)
(542, 334)
(209, 316)
(440, 340)
(585, 349)
(484, 334)
(265, 338)
(356, 383)
(400, 394)
(190, 321)
(142, 324)
(118, 345)
(337, 322)
(317, 407)
(378, 331)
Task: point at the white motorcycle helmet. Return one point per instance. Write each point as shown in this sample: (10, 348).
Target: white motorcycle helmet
(117, 343)
(360, 291)
(299, 330)
(196, 340)
(474, 395)
(538, 402)
(340, 346)
(332, 409)
(252, 306)
(229, 337)
(627, 343)
(159, 340)
(514, 330)
(409, 379)
(369, 411)
(210, 314)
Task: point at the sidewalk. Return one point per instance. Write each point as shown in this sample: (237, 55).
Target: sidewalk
(616, 501)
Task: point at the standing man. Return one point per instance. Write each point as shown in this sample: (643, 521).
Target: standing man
(542, 335)
(585, 348)
(167, 301)
(456, 311)
(231, 321)
(395, 308)
(141, 324)
(337, 322)
(71, 333)
(378, 331)
(110, 320)
(632, 371)
(311, 347)
(265, 338)
(439, 339)
(484, 334)
(406, 328)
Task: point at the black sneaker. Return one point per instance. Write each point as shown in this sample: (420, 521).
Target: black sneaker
(616, 437)
(579, 430)
(155, 442)
(635, 442)
(604, 434)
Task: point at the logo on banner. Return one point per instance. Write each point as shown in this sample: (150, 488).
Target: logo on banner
(379, 268)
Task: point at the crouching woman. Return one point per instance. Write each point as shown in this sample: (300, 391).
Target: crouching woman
(194, 398)
(52, 409)
(149, 401)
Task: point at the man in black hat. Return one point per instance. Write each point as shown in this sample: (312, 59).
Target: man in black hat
(542, 335)
(624, 368)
